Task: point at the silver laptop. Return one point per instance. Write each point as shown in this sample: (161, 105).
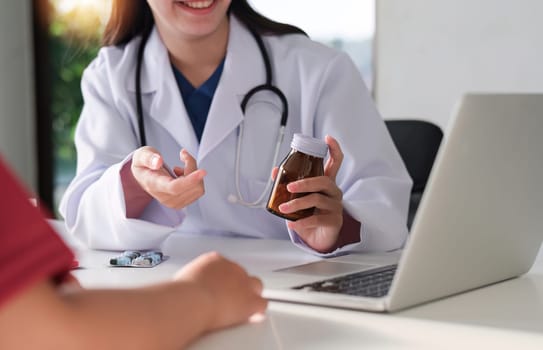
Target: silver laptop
(480, 220)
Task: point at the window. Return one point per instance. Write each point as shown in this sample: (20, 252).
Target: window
(348, 25)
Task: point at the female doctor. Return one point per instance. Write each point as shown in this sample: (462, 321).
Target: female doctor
(207, 88)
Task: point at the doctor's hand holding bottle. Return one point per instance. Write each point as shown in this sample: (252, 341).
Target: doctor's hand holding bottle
(328, 222)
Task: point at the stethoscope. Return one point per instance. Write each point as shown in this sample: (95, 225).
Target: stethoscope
(267, 86)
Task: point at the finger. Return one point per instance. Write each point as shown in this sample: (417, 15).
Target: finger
(274, 172)
(314, 200)
(211, 256)
(260, 306)
(256, 285)
(321, 184)
(190, 162)
(147, 157)
(333, 163)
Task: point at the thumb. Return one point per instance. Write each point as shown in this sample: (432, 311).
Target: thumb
(147, 157)
(333, 163)
(274, 172)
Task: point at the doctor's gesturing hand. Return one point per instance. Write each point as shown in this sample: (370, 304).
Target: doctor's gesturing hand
(176, 192)
(322, 229)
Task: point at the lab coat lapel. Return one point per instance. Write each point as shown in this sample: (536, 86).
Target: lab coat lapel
(167, 107)
(243, 70)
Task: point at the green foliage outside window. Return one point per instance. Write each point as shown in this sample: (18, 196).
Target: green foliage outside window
(75, 31)
(68, 60)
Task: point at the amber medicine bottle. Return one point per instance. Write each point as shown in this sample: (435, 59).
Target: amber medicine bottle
(305, 159)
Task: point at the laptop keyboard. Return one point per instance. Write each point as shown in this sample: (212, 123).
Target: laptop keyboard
(372, 283)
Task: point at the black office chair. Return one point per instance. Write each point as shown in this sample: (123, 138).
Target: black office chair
(417, 142)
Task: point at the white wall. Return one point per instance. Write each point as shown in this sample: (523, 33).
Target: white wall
(17, 121)
(430, 52)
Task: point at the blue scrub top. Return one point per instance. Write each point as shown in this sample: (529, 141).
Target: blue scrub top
(197, 101)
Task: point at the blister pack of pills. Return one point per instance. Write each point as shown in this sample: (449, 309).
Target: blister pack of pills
(135, 258)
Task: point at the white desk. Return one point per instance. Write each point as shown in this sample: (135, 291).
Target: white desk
(503, 316)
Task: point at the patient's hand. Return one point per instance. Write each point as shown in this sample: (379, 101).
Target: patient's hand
(233, 295)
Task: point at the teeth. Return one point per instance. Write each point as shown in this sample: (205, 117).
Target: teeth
(199, 4)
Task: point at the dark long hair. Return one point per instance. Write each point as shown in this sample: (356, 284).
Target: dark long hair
(130, 18)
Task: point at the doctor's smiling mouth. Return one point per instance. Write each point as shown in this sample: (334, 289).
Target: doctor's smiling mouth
(197, 6)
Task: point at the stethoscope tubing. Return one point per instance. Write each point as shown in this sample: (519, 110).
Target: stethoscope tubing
(259, 203)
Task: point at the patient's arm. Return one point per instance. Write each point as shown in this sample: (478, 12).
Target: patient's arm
(164, 316)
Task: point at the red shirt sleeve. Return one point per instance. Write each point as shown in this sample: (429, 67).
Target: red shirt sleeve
(30, 250)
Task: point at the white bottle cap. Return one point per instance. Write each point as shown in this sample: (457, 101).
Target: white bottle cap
(309, 145)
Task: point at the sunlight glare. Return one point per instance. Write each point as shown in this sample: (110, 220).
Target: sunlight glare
(67, 6)
(82, 16)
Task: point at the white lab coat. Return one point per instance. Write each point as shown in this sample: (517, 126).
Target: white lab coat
(326, 95)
